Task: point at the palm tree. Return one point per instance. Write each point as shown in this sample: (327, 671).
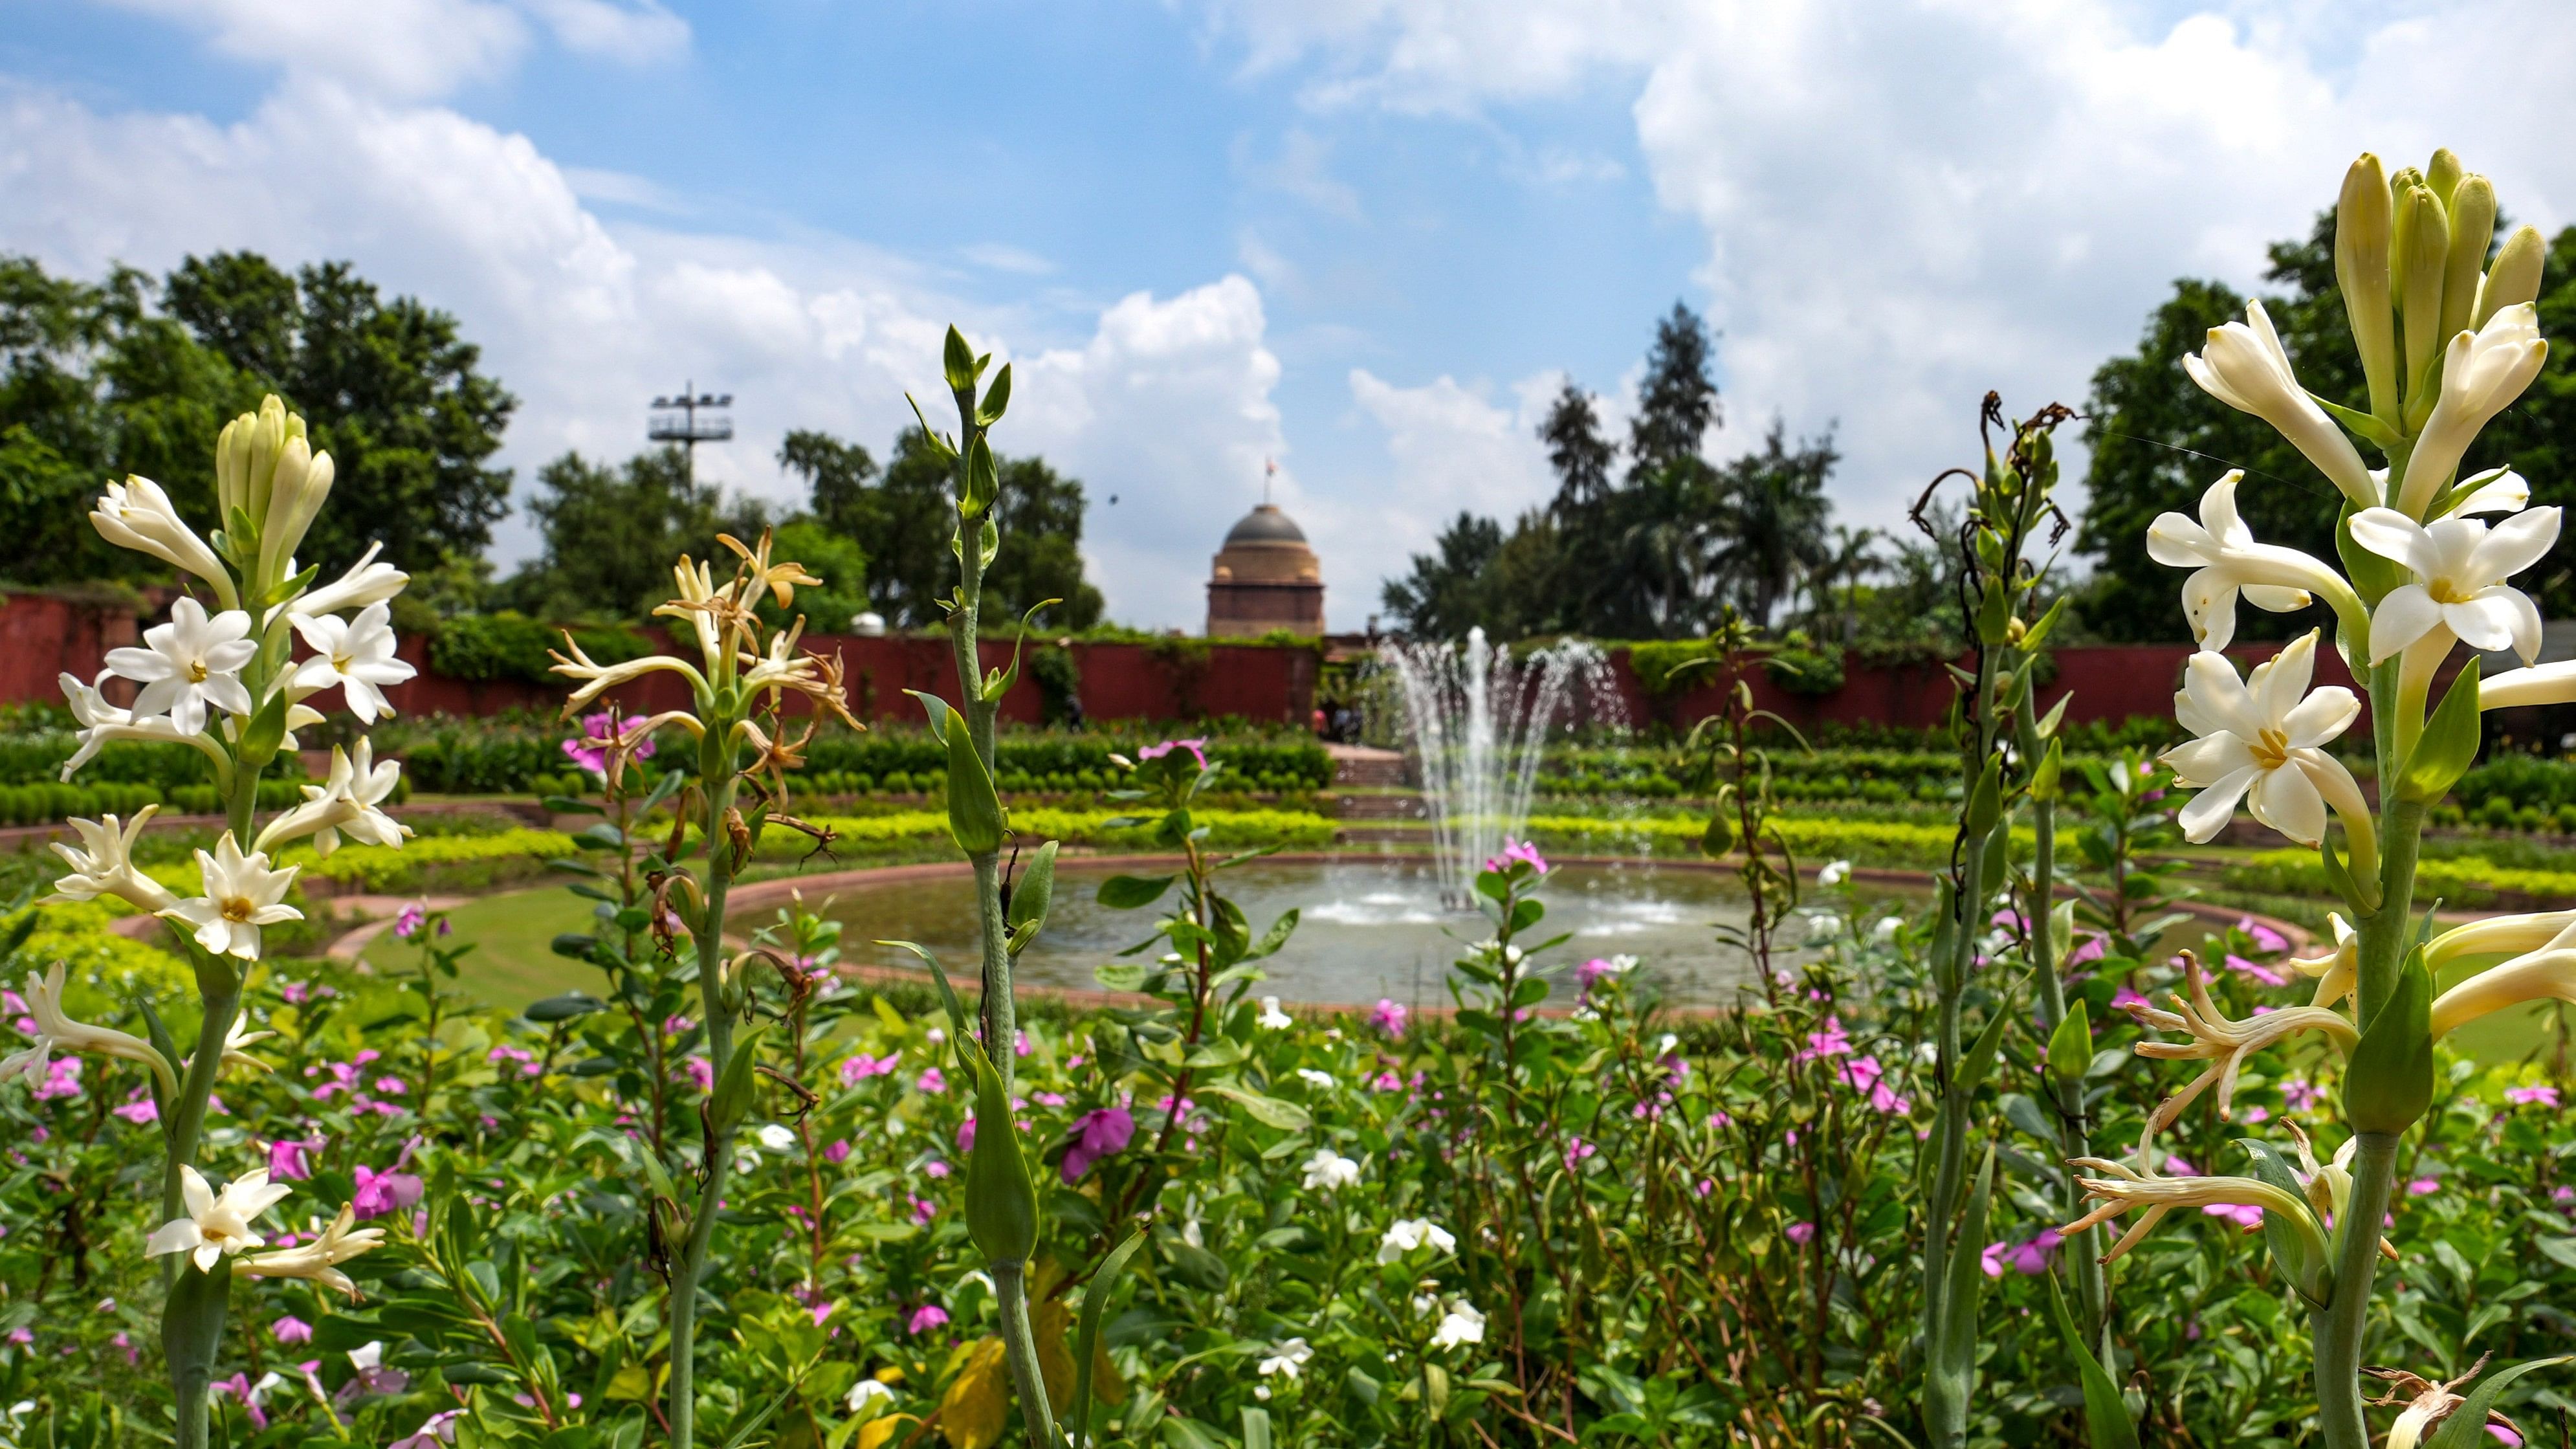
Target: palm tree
(1850, 558)
(1769, 530)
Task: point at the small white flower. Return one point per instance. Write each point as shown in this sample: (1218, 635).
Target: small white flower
(1320, 1081)
(102, 722)
(216, 1225)
(866, 1392)
(1409, 1234)
(2261, 737)
(1191, 1235)
(2460, 566)
(357, 655)
(2226, 561)
(776, 1137)
(242, 895)
(1328, 1170)
(1272, 1018)
(189, 663)
(1824, 925)
(1886, 929)
(103, 864)
(1834, 873)
(2482, 373)
(2244, 366)
(1462, 1324)
(1286, 1357)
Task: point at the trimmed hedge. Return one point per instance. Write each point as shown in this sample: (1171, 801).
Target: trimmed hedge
(2459, 881)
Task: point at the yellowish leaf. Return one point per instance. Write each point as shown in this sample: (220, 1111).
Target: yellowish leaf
(978, 1402)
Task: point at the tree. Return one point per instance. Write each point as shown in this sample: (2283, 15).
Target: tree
(1678, 403)
(906, 517)
(1578, 452)
(1450, 589)
(391, 390)
(611, 535)
(1772, 512)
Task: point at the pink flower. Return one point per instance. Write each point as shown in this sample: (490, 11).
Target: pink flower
(2264, 974)
(62, 1079)
(925, 1318)
(1518, 852)
(1576, 1150)
(936, 1168)
(291, 1329)
(384, 1192)
(1830, 1042)
(1801, 1232)
(2505, 1436)
(2424, 1185)
(2176, 1167)
(139, 1109)
(2238, 1213)
(837, 1153)
(861, 1067)
(931, 1081)
(2090, 948)
(2252, 1115)
(1097, 1134)
(289, 1161)
(1388, 1017)
(2266, 939)
(2125, 998)
(436, 1430)
(2532, 1096)
(238, 1386)
(1196, 747)
(391, 1086)
(407, 924)
(590, 750)
(966, 1135)
(2301, 1095)
(702, 1073)
(1020, 1043)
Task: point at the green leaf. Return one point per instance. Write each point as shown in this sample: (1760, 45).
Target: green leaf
(1994, 615)
(261, 738)
(2070, 1047)
(957, 363)
(1256, 1428)
(2044, 779)
(2300, 1255)
(2388, 1084)
(1127, 892)
(573, 944)
(1032, 896)
(732, 1097)
(1086, 1333)
(1950, 1371)
(974, 811)
(2466, 1428)
(2037, 634)
(1274, 938)
(997, 399)
(938, 978)
(1268, 1111)
(2449, 744)
(1981, 1056)
(1986, 800)
(2106, 1415)
(564, 1007)
(983, 480)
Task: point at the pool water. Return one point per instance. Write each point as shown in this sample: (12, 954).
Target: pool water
(1368, 928)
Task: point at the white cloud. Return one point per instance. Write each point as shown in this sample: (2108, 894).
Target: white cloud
(1452, 447)
(1957, 195)
(639, 34)
(401, 48)
(1167, 403)
(1003, 257)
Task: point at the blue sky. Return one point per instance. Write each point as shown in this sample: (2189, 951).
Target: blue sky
(1361, 236)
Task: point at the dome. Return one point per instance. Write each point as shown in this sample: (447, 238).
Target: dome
(1265, 524)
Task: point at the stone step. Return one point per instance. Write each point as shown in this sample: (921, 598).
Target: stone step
(1379, 807)
(1362, 765)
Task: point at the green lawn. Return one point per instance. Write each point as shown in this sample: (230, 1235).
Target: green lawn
(511, 963)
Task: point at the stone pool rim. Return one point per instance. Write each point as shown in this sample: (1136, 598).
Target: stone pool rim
(778, 891)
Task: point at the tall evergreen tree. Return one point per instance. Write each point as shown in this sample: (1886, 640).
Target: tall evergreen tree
(1679, 403)
(1450, 589)
(1577, 450)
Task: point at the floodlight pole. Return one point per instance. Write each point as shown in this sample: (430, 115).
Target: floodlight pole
(677, 420)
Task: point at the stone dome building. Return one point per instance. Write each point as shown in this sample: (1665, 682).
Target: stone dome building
(1265, 578)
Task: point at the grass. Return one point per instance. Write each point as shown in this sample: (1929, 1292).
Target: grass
(512, 963)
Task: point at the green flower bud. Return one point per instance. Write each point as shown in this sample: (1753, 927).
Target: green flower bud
(2443, 173)
(2515, 277)
(2424, 230)
(1001, 1202)
(2362, 224)
(2388, 1083)
(2473, 214)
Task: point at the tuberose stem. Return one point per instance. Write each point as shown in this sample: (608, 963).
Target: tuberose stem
(719, 759)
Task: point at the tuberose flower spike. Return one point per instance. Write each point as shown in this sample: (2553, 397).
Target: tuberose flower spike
(2224, 1044)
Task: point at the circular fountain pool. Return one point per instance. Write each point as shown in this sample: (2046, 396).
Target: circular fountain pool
(1368, 928)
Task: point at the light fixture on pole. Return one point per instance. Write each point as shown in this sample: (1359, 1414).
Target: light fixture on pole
(689, 419)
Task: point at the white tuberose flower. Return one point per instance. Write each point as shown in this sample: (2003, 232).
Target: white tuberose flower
(2244, 366)
(319, 1258)
(55, 1030)
(348, 800)
(242, 895)
(2482, 372)
(2226, 561)
(1328, 1170)
(2262, 736)
(356, 655)
(189, 663)
(366, 582)
(136, 514)
(2460, 566)
(215, 1225)
(1272, 1018)
(102, 722)
(103, 864)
